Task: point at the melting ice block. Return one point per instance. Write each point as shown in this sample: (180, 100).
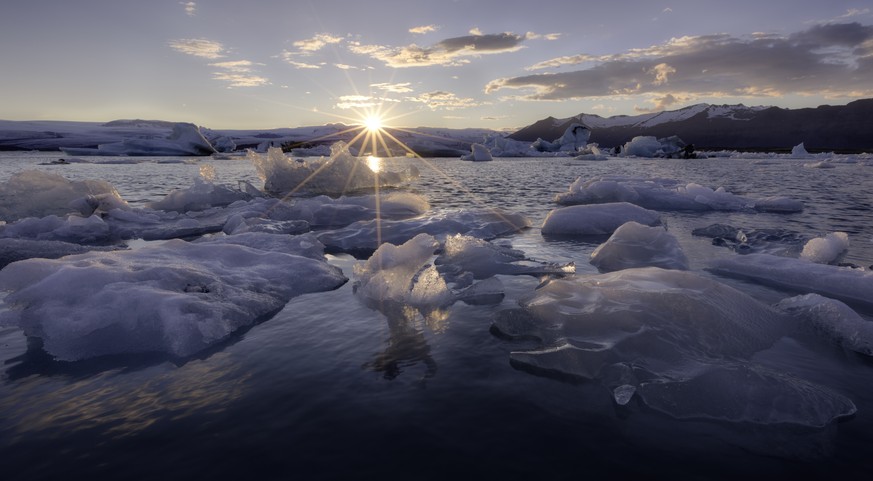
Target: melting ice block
(668, 194)
(592, 220)
(12, 250)
(681, 340)
(324, 211)
(73, 229)
(833, 320)
(852, 286)
(483, 259)
(824, 250)
(636, 245)
(176, 297)
(485, 224)
(338, 174)
(33, 193)
(200, 196)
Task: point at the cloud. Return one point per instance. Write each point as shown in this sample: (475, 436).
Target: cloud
(361, 102)
(424, 29)
(343, 66)
(442, 100)
(238, 73)
(667, 10)
(317, 42)
(662, 103)
(199, 47)
(828, 59)
(398, 88)
(289, 58)
(449, 52)
(190, 8)
(536, 36)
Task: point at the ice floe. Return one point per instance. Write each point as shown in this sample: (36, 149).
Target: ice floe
(668, 194)
(677, 340)
(176, 297)
(34, 193)
(338, 174)
(594, 220)
(637, 245)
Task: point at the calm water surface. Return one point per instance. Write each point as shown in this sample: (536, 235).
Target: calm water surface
(327, 389)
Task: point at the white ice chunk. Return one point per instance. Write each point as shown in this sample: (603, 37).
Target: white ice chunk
(849, 285)
(636, 245)
(335, 175)
(799, 152)
(483, 259)
(485, 224)
(33, 193)
(601, 219)
(176, 297)
(403, 275)
(200, 196)
(833, 320)
(824, 250)
(478, 153)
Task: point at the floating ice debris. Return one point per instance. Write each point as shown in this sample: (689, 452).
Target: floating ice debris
(404, 275)
(799, 152)
(363, 236)
(852, 286)
(12, 250)
(636, 245)
(338, 174)
(324, 211)
(34, 193)
(478, 153)
(185, 139)
(769, 241)
(833, 320)
(176, 297)
(483, 259)
(201, 196)
(593, 220)
(678, 338)
(827, 249)
(73, 229)
(667, 194)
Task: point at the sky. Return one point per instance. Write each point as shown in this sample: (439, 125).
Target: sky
(502, 64)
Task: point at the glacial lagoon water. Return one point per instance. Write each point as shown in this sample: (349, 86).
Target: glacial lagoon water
(330, 389)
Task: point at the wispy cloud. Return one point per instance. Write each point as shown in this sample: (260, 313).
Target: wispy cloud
(449, 52)
(829, 59)
(199, 47)
(190, 8)
(442, 100)
(238, 73)
(424, 29)
(317, 42)
(398, 88)
(346, 102)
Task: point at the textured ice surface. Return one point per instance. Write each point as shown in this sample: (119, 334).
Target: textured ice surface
(601, 219)
(12, 250)
(849, 285)
(176, 297)
(747, 241)
(200, 196)
(306, 245)
(463, 253)
(338, 174)
(324, 211)
(73, 228)
(668, 194)
(484, 223)
(33, 193)
(825, 250)
(833, 320)
(636, 245)
(677, 338)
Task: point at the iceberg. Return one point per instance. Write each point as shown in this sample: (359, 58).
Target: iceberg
(675, 339)
(176, 298)
(364, 236)
(483, 259)
(574, 137)
(637, 245)
(827, 249)
(34, 193)
(649, 147)
(832, 320)
(336, 175)
(799, 152)
(478, 153)
(669, 195)
(852, 286)
(594, 220)
(184, 140)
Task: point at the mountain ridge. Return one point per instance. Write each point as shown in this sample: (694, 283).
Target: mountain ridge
(728, 127)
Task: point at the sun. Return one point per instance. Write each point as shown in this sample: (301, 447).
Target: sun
(373, 123)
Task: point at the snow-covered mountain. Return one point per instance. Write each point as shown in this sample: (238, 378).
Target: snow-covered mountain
(845, 127)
